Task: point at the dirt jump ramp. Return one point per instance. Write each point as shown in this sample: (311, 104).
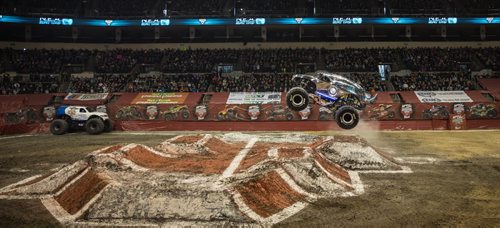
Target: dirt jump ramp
(204, 180)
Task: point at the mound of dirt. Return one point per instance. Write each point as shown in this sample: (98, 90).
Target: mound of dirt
(207, 163)
(51, 183)
(268, 195)
(204, 179)
(79, 193)
(354, 153)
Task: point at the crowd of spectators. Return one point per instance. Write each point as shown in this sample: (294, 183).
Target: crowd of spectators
(171, 83)
(116, 61)
(437, 59)
(490, 57)
(37, 83)
(444, 81)
(100, 83)
(369, 81)
(43, 60)
(263, 69)
(196, 61)
(211, 82)
(359, 59)
(276, 60)
(255, 82)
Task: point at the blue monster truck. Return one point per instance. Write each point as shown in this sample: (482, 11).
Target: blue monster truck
(78, 117)
(342, 96)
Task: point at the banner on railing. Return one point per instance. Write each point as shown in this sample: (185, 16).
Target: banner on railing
(254, 98)
(85, 96)
(160, 98)
(443, 96)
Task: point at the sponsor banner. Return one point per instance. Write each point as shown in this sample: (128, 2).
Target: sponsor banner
(86, 96)
(442, 96)
(254, 98)
(160, 98)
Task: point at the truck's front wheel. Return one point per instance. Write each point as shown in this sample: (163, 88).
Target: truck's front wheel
(297, 99)
(59, 127)
(94, 126)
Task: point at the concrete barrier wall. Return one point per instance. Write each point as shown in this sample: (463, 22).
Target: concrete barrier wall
(33, 114)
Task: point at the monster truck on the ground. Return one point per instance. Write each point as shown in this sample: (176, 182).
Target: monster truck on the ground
(78, 117)
(344, 97)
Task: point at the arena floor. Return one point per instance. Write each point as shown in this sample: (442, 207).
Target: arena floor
(449, 178)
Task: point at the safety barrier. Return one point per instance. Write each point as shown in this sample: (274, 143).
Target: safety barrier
(245, 111)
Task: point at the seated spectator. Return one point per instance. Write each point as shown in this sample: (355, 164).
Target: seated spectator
(433, 82)
(351, 60)
(436, 59)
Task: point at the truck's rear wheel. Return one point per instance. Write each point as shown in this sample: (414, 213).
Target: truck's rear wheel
(108, 125)
(297, 99)
(94, 126)
(347, 117)
(59, 127)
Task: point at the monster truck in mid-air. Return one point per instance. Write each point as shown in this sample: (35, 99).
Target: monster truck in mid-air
(342, 96)
(78, 117)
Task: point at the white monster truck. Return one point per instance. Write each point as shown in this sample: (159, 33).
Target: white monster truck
(78, 117)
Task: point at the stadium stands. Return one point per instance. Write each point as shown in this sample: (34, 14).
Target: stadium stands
(122, 70)
(225, 8)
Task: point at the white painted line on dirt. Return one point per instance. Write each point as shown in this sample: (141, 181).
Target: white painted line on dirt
(167, 133)
(132, 165)
(204, 140)
(25, 196)
(95, 152)
(124, 224)
(152, 150)
(331, 176)
(307, 152)
(285, 213)
(292, 183)
(237, 160)
(61, 214)
(128, 147)
(356, 183)
(72, 181)
(272, 153)
(90, 203)
(16, 136)
(404, 169)
(416, 160)
(56, 210)
(11, 186)
(238, 199)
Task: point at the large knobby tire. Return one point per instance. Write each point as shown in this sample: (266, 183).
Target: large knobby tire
(297, 99)
(185, 114)
(347, 117)
(94, 126)
(108, 125)
(59, 127)
(169, 116)
(427, 115)
(491, 114)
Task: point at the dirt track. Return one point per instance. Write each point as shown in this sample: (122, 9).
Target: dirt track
(455, 179)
